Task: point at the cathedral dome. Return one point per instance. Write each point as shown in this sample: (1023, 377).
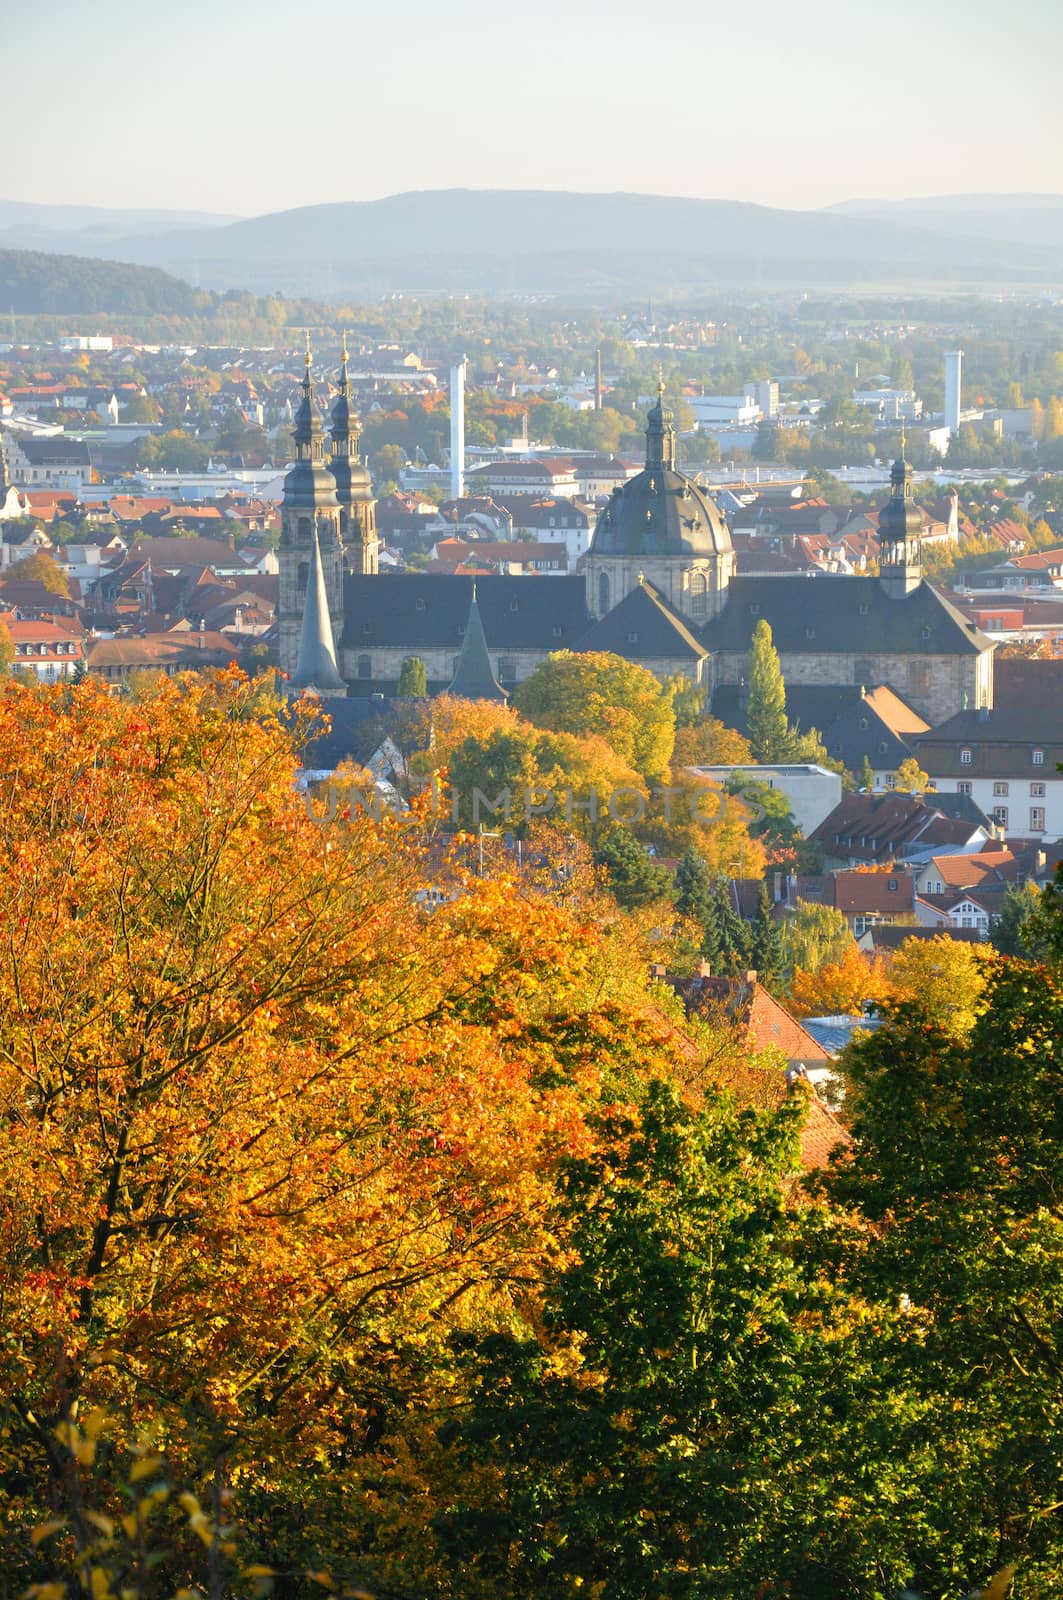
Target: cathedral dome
(660, 512)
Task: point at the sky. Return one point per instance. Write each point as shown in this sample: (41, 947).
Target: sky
(246, 106)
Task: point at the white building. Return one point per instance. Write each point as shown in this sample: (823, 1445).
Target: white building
(812, 791)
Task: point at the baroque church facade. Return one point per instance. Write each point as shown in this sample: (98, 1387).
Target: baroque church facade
(658, 586)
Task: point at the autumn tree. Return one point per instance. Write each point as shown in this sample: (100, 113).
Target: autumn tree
(596, 693)
(708, 742)
(910, 777)
(238, 1168)
(944, 977)
(844, 987)
(7, 649)
(42, 568)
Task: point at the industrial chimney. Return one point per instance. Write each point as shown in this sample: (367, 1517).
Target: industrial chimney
(953, 389)
(457, 430)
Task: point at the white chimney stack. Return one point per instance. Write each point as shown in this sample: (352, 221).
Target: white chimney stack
(953, 389)
(457, 431)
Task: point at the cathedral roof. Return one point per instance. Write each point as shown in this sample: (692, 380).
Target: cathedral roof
(855, 616)
(425, 611)
(643, 625)
(660, 512)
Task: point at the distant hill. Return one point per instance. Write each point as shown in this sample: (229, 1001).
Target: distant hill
(35, 284)
(89, 230)
(1030, 219)
(554, 241)
(595, 245)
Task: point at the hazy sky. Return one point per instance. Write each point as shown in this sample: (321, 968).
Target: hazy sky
(247, 106)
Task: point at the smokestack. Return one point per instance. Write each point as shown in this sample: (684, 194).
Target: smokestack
(953, 389)
(457, 431)
(598, 380)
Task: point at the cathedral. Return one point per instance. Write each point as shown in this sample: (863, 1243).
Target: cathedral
(658, 586)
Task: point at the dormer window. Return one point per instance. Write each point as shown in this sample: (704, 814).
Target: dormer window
(1038, 758)
(514, 605)
(419, 604)
(965, 758)
(864, 608)
(632, 638)
(925, 633)
(557, 631)
(754, 610)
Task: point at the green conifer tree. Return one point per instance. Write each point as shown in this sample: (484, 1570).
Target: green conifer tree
(766, 943)
(413, 680)
(769, 735)
(732, 931)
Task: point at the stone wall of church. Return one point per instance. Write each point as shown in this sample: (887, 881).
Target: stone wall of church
(696, 589)
(937, 686)
(511, 666)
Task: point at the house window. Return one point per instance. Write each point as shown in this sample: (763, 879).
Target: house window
(1038, 758)
(1037, 819)
(507, 669)
(1037, 791)
(964, 787)
(965, 758)
(890, 780)
(365, 666)
(1000, 788)
(1000, 816)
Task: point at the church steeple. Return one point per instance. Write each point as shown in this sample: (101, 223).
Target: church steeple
(660, 434)
(310, 528)
(900, 534)
(354, 487)
(316, 666)
(474, 677)
(307, 432)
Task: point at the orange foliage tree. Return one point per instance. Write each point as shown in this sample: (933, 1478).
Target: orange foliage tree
(265, 1122)
(841, 987)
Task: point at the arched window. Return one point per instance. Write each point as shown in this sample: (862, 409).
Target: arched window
(365, 666)
(699, 595)
(304, 576)
(603, 593)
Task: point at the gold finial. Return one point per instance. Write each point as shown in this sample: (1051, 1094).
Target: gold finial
(660, 381)
(308, 357)
(902, 439)
(345, 347)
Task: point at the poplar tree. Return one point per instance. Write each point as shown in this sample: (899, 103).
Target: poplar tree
(766, 714)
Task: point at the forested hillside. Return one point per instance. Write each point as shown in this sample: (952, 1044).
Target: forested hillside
(32, 284)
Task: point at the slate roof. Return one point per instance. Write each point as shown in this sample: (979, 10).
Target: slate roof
(412, 611)
(353, 729)
(826, 613)
(886, 936)
(642, 625)
(865, 729)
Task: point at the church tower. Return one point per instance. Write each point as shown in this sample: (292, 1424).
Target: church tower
(660, 528)
(310, 516)
(354, 489)
(900, 535)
